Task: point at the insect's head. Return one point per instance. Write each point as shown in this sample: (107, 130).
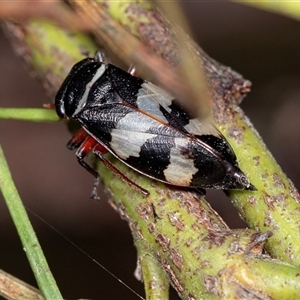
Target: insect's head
(73, 93)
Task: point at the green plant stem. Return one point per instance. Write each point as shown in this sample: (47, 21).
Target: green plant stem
(29, 114)
(286, 8)
(31, 246)
(275, 205)
(156, 282)
(202, 256)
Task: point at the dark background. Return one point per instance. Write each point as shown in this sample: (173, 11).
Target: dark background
(262, 46)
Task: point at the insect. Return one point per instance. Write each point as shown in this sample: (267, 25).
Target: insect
(142, 125)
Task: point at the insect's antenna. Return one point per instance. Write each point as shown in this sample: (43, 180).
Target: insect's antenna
(99, 57)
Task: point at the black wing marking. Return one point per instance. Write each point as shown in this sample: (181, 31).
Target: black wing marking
(148, 146)
(161, 105)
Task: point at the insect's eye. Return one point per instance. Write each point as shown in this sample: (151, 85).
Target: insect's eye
(60, 109)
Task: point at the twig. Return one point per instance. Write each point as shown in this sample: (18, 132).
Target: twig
(202, 257)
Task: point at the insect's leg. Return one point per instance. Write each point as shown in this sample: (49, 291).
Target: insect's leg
(49, 105)
(77, 139)
(202, 192)
(132, 71)
(87, 146)
(98, 154)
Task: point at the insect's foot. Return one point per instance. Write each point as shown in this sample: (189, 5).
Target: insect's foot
(94, 193)
(202, 192)
(155, 215)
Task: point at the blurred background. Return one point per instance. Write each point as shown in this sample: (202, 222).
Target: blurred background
(262, 46)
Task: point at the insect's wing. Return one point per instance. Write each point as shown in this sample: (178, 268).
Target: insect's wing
(148, 146)
(156, 102)
(162, 105)
(143, 126)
